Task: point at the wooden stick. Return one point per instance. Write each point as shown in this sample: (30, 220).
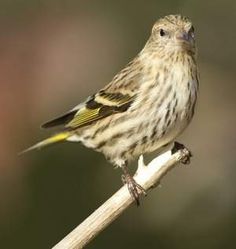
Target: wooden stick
(147, 176)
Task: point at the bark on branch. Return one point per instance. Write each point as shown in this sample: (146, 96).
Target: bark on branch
(147, 176)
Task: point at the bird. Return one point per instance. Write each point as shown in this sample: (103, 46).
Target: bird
(145, 107)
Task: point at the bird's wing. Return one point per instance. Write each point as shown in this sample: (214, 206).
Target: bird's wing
(96, 107)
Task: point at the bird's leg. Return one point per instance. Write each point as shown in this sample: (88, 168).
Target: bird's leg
(134, 188)
(178, 146)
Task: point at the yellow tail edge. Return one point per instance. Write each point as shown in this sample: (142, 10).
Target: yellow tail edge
(60, 137)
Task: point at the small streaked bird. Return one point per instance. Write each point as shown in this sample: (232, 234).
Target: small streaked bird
(144, 107)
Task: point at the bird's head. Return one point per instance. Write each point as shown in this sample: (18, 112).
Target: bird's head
(173, 33)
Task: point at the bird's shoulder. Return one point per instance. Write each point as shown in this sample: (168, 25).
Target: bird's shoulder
(128, 80)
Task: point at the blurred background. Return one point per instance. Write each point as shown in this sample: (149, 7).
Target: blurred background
(53, 54)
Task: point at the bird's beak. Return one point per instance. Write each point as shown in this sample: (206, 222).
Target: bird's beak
(184, 37)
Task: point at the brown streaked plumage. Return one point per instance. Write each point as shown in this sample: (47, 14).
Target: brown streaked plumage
(145, 106)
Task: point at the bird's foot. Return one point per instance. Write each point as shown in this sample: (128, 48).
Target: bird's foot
(186, 153)
(134, 188)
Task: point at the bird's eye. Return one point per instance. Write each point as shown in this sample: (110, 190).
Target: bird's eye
(162, 32)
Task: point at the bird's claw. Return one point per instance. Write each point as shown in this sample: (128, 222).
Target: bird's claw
(134, 188)
(185, 152)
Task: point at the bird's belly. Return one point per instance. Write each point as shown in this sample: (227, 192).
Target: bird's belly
(127, 135)
(162, 137)
(129, 139)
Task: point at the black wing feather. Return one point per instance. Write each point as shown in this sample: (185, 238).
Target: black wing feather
(92, 110)
(62, 120)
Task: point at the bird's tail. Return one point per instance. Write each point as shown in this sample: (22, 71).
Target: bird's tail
(59, 137)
